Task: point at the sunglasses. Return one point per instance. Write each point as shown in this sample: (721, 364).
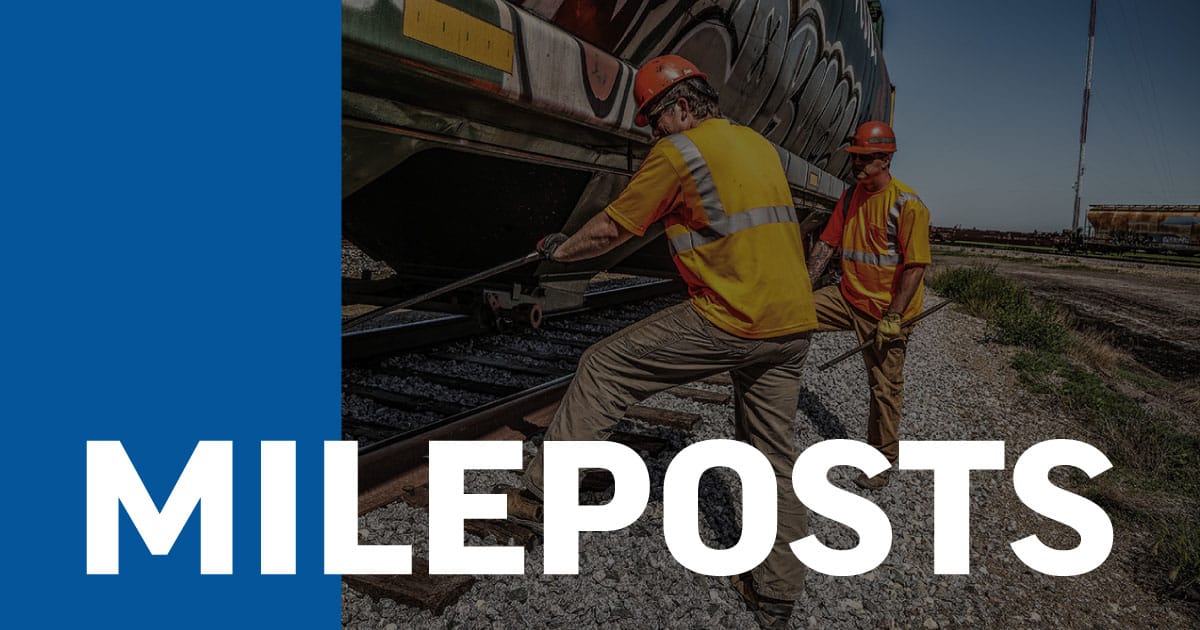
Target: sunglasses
(869, 157)
(657, 112)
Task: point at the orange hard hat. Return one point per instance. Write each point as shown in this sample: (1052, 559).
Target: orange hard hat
(655, 77)
(873, 137)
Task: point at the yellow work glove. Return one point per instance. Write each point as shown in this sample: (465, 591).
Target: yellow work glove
(888, 329)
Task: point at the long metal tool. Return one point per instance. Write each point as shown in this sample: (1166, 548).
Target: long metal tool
(482, 275)
(846, 355)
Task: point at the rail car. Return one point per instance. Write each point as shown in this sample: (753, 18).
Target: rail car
(473, 127)
(1147, 228)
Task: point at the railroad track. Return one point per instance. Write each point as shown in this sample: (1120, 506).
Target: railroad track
(469, 387)
(501, 386)
(445, 369)
(1129, 257)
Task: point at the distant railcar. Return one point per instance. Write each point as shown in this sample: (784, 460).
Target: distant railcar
(1163, 229)
(472, 127)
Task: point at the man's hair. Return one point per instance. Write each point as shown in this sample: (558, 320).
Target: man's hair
(700, 96)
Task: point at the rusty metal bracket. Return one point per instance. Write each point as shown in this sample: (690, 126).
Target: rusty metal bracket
(482, 275)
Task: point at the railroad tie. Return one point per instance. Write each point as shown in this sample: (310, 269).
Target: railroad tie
(505, 532)
(680, 420)
(500, 365)
(699, 395)
(717, 379)
(409, 402)
(420, 590)
(456, 382)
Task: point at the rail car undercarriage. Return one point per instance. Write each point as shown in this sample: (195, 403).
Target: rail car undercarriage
(472, 128)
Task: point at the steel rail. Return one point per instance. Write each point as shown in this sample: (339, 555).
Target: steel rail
(458, 284)
(388, 467)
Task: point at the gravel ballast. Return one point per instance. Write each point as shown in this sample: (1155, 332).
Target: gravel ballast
(958, 386)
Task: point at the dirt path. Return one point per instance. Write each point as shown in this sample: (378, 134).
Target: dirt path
(1151, 311)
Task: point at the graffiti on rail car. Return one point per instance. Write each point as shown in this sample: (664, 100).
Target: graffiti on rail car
(804, 73)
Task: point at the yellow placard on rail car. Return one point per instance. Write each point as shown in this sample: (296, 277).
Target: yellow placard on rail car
(463, 34)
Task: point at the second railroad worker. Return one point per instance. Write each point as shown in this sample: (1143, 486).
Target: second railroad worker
(732, 231)
(882, 227)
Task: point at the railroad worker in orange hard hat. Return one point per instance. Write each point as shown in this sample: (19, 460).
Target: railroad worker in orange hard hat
(882, 228)
(720, 191)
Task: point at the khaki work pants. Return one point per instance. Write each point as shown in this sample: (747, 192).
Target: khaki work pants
(676, 346)
(885, 367)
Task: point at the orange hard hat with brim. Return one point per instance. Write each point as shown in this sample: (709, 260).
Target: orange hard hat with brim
(657, 76)
(873, 137)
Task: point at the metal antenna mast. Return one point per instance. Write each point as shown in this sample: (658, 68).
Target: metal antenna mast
(1087, 96)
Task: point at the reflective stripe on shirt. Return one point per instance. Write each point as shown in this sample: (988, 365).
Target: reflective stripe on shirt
(872, 259)
(699, 170)
(892, 257)
(720, 224)
(728, 225)
(893, 226)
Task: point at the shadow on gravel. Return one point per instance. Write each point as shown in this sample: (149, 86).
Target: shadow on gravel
(828, 425)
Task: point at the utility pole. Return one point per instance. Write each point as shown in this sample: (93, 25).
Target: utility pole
(1087, 96)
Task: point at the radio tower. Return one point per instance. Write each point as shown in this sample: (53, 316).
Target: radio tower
(1087, 95)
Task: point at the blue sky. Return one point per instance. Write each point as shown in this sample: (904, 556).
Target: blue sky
(989, 97)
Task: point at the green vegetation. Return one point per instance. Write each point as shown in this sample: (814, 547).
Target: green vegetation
(1020, 320)
(992, 253)
(1027, 248)
(1142, 257)
(1177, 539)
(1148, 381)
(1151, 456)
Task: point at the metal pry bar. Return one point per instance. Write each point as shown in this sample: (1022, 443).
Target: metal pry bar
(482, 275)
(850, 353)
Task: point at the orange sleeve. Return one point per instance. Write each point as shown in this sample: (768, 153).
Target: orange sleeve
(650, 194)
(832, 234)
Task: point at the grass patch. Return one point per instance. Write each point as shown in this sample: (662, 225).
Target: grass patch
(1147, 442)
(1177, 538)
(1019, 319)
(1186, 393)
(1092, 348)
(1151, 455)
(1148, 381)
(993, 253)
(1142, 257)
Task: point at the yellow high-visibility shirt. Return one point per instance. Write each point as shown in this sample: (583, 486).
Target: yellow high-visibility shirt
(880, 233)
(722, 195)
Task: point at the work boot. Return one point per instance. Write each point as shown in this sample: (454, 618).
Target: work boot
(524, 507)
(770, 613)
(873, 483)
